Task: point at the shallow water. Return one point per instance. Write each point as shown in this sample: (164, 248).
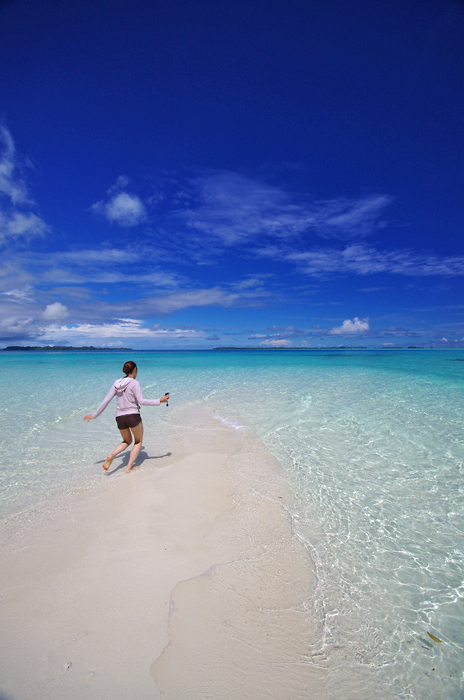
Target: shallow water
(371, 443)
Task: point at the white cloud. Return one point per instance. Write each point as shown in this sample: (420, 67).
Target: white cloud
(123, 208)
(349, 327)
(16, 217)
(55, 312)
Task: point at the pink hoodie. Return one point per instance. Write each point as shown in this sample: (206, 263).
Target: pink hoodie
(129, 393)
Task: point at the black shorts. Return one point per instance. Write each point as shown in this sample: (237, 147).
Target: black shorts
(130, 421)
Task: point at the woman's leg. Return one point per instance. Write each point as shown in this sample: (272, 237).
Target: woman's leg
(137, 432)
(126, 441)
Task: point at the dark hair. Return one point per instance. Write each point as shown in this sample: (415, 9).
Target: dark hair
(129, 367)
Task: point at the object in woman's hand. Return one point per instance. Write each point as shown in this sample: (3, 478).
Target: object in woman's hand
(167, 394)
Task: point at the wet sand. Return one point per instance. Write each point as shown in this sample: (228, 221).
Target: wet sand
(180, 581)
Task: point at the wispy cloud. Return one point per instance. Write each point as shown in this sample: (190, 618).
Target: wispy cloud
(398, 331)
(99, 256)
(211, 218)
(110, 334)
(17, 318)
(131, 266)
(17, 218)
(364, 260)
(170, 303)
(273, 343)
(15, 223)
(352, 218)
(14, 276)
(12, 184)
(200, 216)
(221, 209)
(233, 209)
(22, 312)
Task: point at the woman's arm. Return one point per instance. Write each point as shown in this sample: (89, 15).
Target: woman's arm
(111, 394)
(137, 391)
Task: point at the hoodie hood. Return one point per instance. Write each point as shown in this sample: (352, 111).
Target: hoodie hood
(121, 384)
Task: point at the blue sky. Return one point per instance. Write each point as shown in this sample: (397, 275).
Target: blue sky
(196, 173)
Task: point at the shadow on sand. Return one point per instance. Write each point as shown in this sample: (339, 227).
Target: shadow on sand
(3, 696)
(123, 464)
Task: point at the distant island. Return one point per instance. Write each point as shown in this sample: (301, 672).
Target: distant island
(51, 348)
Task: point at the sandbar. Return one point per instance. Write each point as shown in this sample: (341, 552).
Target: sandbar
(181, 581)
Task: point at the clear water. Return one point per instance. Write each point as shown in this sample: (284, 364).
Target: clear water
(371, 443)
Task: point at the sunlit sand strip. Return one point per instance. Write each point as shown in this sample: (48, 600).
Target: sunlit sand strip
(182, 580)
(242, 628)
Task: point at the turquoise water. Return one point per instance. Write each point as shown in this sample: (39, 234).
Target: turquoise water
(371, 443)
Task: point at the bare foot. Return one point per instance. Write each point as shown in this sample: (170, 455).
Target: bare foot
(107, 463)
(129, 469)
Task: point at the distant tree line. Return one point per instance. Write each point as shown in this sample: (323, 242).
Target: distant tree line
(48, 348)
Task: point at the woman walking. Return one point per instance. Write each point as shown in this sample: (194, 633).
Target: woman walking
(128, 418)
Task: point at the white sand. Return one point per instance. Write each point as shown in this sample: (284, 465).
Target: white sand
(183, 580)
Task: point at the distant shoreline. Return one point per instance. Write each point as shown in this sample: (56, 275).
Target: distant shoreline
(302, 347)
(91, 348)
(52, 348)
